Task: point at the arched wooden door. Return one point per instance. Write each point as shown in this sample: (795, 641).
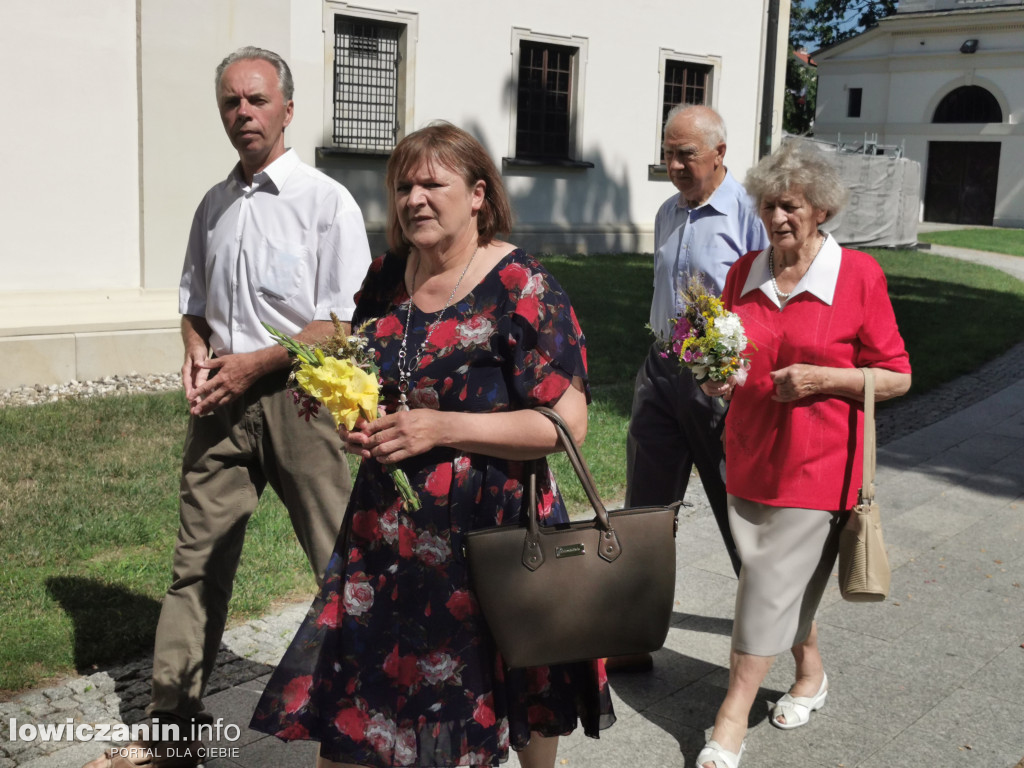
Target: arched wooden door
(963, 175)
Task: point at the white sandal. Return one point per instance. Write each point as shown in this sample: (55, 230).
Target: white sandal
(797, 709)
(718, 757)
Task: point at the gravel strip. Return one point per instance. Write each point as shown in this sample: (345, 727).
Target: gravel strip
(128, 384)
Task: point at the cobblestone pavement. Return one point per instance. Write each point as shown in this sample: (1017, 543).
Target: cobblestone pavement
(120, 694)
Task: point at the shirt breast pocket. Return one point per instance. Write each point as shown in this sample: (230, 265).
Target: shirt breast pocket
(282, 271)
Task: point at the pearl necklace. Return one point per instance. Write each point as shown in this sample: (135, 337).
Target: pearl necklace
(406, 368)
(771, 268)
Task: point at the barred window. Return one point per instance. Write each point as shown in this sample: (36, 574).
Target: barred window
(545, 98)
(366, 84)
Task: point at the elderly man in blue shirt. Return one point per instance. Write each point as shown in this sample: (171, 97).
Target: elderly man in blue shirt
(702, 229)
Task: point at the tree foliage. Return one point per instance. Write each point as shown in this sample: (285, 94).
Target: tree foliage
(801, 95)
(820, 23)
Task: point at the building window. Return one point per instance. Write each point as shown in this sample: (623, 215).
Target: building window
(685, 83)
(365, 84)
(368, 104)
(853, 102)
(548, 83)
(544, 101)
(684, 79)
(968, 104)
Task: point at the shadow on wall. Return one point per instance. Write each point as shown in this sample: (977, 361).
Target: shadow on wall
(567, 209)
(557, 209)
(363, 176)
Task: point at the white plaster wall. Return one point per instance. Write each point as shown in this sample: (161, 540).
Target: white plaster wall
(916, 93)
(1010, 194)
(907, 95)
(871, 45)
(184, 145)
(69, 216)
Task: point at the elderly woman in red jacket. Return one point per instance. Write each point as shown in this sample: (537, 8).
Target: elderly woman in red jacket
(816, 313)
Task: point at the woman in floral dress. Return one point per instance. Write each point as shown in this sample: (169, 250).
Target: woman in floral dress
(394, 664)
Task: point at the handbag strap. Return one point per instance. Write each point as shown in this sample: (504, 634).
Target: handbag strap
(579, 465)
(867, 491)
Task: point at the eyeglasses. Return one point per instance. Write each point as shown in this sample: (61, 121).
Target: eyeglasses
(683, 155)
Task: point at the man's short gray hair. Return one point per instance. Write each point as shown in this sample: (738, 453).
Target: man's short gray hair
(708, 123)
(284, 74)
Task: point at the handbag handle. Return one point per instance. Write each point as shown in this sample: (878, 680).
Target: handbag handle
(609, 547)
(533, 555)
(579, 464)
(867, 490)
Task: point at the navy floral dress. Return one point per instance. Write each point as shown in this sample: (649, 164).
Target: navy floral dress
(394, 665)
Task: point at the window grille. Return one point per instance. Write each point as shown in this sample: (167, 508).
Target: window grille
(366, 61)
(685, 83)
(545, 101)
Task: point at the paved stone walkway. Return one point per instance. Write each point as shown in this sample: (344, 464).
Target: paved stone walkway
(932, 677)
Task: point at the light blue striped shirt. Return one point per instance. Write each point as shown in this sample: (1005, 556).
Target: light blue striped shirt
(707, 239)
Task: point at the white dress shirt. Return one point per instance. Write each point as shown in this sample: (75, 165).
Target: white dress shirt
(287, 250)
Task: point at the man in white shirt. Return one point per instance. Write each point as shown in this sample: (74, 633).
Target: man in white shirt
(279, 242)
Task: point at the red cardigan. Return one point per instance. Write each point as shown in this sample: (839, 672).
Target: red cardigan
(807, 453)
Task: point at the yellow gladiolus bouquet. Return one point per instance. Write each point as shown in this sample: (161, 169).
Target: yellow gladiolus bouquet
(345, 389)
(340, 374)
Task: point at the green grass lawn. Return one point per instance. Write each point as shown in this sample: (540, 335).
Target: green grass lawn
(88, 488)
(88, 510)
(1009, 241)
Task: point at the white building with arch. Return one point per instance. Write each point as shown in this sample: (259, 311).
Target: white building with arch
(113, 135)
(944, 80)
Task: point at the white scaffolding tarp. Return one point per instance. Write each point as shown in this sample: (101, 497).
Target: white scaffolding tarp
(884, 201)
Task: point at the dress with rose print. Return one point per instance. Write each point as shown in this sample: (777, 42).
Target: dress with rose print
(394, 665)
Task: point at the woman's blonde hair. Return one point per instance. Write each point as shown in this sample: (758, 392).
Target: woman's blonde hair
(799, 165)
(455, 149)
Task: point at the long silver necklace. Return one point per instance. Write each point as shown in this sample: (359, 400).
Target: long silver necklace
(771, 268)
(405, 366)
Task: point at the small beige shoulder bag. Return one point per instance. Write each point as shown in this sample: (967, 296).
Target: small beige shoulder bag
(863, 563)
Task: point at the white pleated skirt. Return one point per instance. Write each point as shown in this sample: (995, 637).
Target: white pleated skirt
(787, 555)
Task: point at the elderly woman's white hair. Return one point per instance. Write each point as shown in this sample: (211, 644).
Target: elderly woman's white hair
(799, 166)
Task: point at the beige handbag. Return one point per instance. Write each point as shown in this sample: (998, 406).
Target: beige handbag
(863, 563)
(583, 590)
